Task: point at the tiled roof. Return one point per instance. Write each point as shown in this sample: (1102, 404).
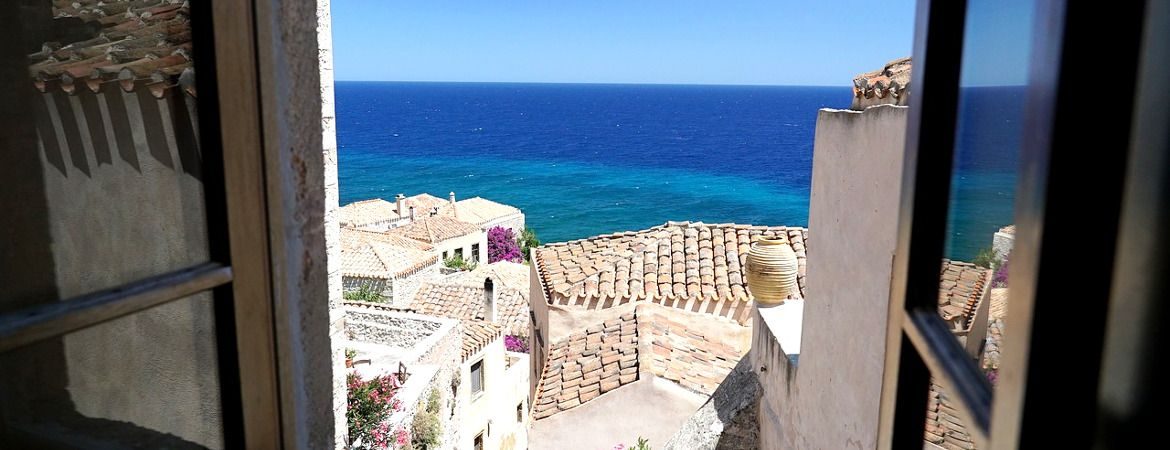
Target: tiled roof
(587, 364)
(686, 356)
(478, 210)
(376, 306)
(888, 85)
(943, 426)
(424, 204)
(960, 289)
(371, 254)
(466, 303)
(436, 229)
(503, 273)
(477, 334)
(143, 40)
(695, 266)
(366, 212)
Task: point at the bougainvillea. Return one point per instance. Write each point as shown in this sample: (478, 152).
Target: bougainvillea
(1001, 275)
(515, 344)
(502, 246)
(369, 405)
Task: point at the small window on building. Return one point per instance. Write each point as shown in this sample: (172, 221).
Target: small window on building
(444, 256)
(520, 412)
(475, 252)
(479, 441)
(477, 378)
(459, 253)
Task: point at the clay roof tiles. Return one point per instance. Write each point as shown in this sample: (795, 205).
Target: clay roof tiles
(961, 287)
(587, 364)
(141, 42)
(435, 229)
(366, 212)
(465, 302)
(478, 210)
(477, 334)
(678, 260)
(371, 254)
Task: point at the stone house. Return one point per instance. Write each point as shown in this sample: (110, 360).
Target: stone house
(388, 264)
(485, 213)
(448, 236)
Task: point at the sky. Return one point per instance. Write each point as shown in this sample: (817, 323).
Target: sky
(757, 42)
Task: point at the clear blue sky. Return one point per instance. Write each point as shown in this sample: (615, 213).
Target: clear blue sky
(777, 42)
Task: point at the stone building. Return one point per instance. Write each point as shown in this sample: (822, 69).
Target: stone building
(485, 213)
(450, 237)
(387, 264)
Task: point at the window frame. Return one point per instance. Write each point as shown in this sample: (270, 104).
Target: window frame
(482, 379)
(240, 273)
(1051, 179)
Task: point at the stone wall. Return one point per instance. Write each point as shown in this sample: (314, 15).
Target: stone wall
(514, 222)
(404, 288)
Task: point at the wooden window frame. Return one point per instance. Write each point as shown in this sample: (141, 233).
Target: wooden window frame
(1036, 384)
(239, 274)
(482, 379)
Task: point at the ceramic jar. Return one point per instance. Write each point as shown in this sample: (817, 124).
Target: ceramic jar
(771, 271)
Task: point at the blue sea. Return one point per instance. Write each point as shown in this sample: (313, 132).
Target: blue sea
(588, 159)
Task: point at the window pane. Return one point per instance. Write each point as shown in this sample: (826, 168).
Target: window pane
(973, 289)
(100, 125)
(477, 377)
(148, 380)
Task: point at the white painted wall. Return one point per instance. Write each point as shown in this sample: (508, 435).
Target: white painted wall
(832, 399)
(464, 242)
(504, 389)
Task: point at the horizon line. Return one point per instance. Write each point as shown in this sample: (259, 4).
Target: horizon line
(594, 83)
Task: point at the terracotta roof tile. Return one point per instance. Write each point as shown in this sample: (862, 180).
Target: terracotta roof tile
(685, 356)
(503, 273)
(477, 334)
(961, 288)
(465, 303)
(141, 42)
(424, 204)
(478, 210)
(680, 263)
(366, 213)
(436, 229)
(585, 365)
(944, 428)
(371, 254)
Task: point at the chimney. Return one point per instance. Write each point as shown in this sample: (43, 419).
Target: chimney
(412, 214)
(454, 211)
(401, 200)
(489, 300)
(451, 197)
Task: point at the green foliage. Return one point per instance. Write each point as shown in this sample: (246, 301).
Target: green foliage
(527, 241)
(369, 404)
(364, 293)
(426, 431)
(433, 401)
(986, 259)
(350, 353)
(457, 262)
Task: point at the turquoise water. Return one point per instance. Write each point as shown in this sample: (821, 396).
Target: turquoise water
(582, 160)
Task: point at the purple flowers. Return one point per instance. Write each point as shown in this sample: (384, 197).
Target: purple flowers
(502, 246)
(1000, 279)
(515, 344)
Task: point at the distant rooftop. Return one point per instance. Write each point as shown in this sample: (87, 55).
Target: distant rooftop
(961, 287)
(507, 274)
(371, 254)
(464, 302)
(688, 265)
(478, 210)
(435, 229)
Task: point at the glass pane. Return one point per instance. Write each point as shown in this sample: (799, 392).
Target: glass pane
(101, 140)
(973, 284)
(148, 380)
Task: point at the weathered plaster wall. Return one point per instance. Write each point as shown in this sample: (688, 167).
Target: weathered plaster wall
(538, 335)
(405, 287)
(504, 389)
(464, 243)
(832, 400)
(1002, 243)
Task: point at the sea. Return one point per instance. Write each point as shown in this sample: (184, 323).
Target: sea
(588, 159)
